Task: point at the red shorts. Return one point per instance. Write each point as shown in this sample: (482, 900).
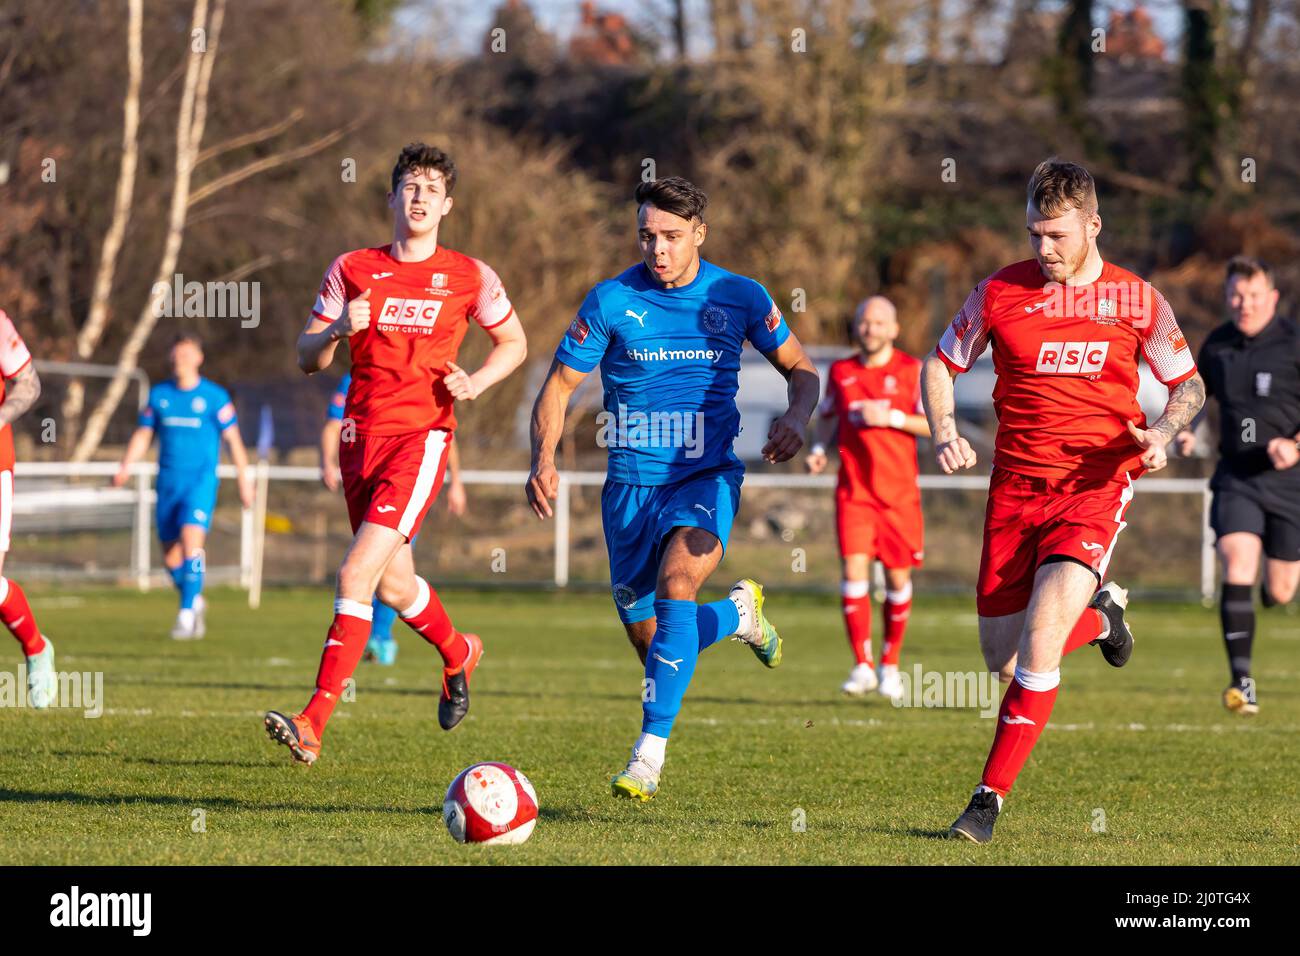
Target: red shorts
(893, 535)
(393, 479)
(1031, 519)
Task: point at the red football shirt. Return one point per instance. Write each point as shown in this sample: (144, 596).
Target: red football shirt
(419, 313)
(876, 464)
(14, 357)
(1066, 359)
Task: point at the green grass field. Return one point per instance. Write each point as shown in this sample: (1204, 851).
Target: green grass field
(1147, 751)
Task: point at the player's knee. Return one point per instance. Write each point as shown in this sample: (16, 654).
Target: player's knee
(397, 592)
(676, 586)
(354, 581)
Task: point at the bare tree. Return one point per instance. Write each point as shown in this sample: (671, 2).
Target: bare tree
(97, 317)
(189, 133)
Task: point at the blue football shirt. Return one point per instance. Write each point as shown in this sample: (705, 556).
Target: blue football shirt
(669, 360)
(188, 424)
(339, 400)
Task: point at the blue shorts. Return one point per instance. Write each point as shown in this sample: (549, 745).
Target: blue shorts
(637, 518)
(184, 499)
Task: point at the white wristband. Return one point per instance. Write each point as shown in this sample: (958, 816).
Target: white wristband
(897, 418)
(819, 449)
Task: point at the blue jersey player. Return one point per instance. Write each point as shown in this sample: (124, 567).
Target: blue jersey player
(191, 416)
(382, 646)
(667, 335)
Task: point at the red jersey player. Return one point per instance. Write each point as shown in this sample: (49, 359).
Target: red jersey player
(19, 390)
(875, 399)
(1066, 330)
(404, 309)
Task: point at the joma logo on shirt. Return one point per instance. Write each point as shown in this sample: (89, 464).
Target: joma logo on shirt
(417, 312)
(1072, 358)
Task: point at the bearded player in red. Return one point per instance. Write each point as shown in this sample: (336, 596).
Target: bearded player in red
(19, 388)
(1066, 330)
(873, 402)
(404, 309)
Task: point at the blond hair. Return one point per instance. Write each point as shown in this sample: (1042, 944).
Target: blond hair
(1056, 187)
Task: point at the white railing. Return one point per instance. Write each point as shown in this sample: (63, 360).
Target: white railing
(142, 495)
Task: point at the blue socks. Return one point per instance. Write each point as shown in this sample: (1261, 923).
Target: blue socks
(381, 624)
(669, 665)
(716, 621)
(684, 630)
(191, 579)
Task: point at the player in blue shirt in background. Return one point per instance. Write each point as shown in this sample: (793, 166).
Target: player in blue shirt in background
(668, 335)
(382, 646)
(191, 416)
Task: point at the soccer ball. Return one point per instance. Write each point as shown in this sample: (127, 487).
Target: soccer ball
(490, 803)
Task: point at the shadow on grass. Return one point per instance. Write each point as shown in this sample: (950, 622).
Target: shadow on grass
(206, 801)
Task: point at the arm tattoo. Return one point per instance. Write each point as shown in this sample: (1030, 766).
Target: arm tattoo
(1184, 402)
(21, 393)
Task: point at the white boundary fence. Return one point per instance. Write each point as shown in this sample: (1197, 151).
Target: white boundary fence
(142, 496)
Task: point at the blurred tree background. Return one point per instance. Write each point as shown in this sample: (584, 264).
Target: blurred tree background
(848, 148)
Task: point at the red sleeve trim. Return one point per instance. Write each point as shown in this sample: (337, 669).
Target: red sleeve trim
(949, 362)
(19, 368)
(1180, 379)
(509, 315)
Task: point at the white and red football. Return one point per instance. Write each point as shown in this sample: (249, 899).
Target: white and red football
(490, 803)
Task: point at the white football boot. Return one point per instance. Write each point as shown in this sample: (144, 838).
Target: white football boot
(200, 616)
(42, 682)
(891, 685)
(184, 628)
(862, 681)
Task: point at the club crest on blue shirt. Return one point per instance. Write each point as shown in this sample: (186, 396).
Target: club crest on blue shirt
(716, 319)
(624, 596)
(198, 404)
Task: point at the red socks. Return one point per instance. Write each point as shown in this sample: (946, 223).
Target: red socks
(855, 601)
(343, 648)
(17, 616)
(1025, 708)
(897, 609)
(428, 618)
(1090, 626)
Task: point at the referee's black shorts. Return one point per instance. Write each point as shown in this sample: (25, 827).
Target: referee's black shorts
(1271, 514)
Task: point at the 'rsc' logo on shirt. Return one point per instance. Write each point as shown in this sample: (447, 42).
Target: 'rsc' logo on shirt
(1072, 358)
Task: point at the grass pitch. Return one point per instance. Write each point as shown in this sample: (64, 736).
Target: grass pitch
(1139, 766)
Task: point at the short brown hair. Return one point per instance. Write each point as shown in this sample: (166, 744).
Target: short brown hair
(1056, 187)
(1249, 267)
(187, 336)
(416, 156)
(675, 195)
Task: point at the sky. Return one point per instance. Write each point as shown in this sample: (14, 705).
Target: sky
(456, 27)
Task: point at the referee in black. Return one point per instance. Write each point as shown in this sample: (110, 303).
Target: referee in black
(1251, 364)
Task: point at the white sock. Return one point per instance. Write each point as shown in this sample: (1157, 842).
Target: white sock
(1105, 627)
(186, 617)
(982, 788)
(888, 670)
(743, 609)
(651, 749)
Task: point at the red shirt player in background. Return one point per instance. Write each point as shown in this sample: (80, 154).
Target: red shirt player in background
(1066, 330)
(19, 389)
(875, 397)
(404, 309)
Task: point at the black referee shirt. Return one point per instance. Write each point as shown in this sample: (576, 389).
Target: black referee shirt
(1254, 378)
